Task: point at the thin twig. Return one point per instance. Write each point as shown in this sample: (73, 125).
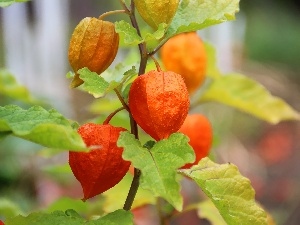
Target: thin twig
(156, 63)
(121, 100)
(110, 116)
(158, 47)
(123, 4)
(101, 17)
(142, 46)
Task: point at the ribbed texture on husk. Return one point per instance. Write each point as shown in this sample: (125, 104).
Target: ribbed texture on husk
(103, 166)
(159, 103)
(198, 128)
(94, 44)
(185, 54)
(155, 12)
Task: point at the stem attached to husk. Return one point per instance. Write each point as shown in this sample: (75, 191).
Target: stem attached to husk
(156, 63)
(121, 100)
(110, 116)
(158, 47)
(102, 16)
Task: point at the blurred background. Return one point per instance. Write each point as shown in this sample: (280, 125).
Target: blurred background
(263, 43)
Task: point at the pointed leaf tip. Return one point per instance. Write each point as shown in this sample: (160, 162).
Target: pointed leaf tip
(159, 164)
(47, 128)
(230, 192)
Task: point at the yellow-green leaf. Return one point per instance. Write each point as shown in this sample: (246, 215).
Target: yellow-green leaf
(194, 15)
(71, 217)
(9, 87)
(212, 67)
(116, 196)
(159, 164)
(47, 128)
(230, 192)
(208, 210)
(249, 96)
(5, 3)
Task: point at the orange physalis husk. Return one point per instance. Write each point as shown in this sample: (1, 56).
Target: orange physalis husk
(159, 103)
(198, 128)
(185, 54)
(103, 166)
(94, 44)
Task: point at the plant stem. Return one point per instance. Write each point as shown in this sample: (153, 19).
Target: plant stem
(122, 100)
(133, 189)
(142, 46)
(122, 2)
(101, 17)
(156, 63)
(158, 47)
(144, 57)
(134, 128)
(110, 116)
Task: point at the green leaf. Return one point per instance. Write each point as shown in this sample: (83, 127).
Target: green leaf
(129, 36)
(4, 134)
(249, 96)
(39, 218)
(58, 169)
(194, 15)
(5, 3)
(93, 83)
(212, 67)
(47, 128)
(207, 210)
(67, 203)
(70, 75)
(9, 208)
(231, 193)
(72, 212)
(153, 39)
(9, 87)
(61, 173)
(116, 196)
(159, 165)
(115, 218)
(157, 35)
(90, 210)
(99, 86)
(119, 75)
(128, 33)
(70, 217)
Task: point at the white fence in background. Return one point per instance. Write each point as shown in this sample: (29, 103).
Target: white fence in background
(225, 37)
(36, 51)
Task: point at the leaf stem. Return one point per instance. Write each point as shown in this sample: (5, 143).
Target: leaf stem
(121, 100)
(101, 17)
(158, 47)
(156, 63)
(110, 116)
